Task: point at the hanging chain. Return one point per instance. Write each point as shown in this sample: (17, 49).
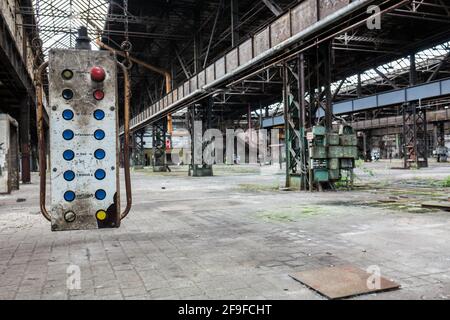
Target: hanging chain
(36, 42)
(126, 45)
(125, 9)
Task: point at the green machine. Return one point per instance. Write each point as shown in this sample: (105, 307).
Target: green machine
(332, 156)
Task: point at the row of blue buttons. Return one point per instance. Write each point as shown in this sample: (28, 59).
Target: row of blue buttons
(68, 114)
(99, 174)
(68, 134)
(69, 196)
(69, 155)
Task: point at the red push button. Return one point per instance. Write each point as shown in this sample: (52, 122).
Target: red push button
(98, 74)
(99, 95)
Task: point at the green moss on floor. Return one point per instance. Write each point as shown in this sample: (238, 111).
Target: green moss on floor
(290, 214)
(404, 206)
(258, 187)
(446, 182)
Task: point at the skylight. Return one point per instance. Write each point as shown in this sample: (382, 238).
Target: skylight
(58, 20)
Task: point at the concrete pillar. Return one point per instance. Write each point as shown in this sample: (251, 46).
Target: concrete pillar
(24, 130)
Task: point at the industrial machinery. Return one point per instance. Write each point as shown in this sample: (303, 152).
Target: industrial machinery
(441, 153)
(84, 146)
(332, 156)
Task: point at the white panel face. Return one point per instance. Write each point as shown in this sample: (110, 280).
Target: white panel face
(87, 119)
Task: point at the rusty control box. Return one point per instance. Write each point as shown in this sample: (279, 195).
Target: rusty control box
(83, 140)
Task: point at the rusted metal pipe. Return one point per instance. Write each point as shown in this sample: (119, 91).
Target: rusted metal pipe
(126, 143)
(41, 138)
(165, 73)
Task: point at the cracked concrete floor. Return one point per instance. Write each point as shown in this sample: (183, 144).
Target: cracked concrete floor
(234, 236)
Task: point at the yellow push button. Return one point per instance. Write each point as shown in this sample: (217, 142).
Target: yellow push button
(101, 215)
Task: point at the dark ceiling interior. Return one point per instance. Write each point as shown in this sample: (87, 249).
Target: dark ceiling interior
(168, 33)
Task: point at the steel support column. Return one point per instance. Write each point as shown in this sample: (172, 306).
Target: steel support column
(296, 111)
(367, 145)
(324, 83)
(159, 131)
(199, 119)
(439, 140)
(138, 148)
(415, 136)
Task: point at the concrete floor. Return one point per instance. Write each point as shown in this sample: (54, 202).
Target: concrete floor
(234, 236)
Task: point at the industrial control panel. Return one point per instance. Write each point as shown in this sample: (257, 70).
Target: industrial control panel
(83, 140)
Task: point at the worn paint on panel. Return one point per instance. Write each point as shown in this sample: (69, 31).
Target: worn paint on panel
(220, 67)
(245, 52)
(201, 79)
(303, 16)
(261, 42)
(210, 73)
(232, 60)
(280, 30)
(328, 7)
(193, 82)
(186, 88)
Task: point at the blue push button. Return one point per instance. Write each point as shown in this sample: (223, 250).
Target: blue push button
(69, 196)
(100, 154)
(68, 155)
(69, 175)
(99, 134)
(68, 134)
(67, 114)
(99, 114)
(100, 174)
(100, 194)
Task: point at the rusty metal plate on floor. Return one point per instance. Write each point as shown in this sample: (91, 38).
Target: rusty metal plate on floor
(343, 281)
(442, 205)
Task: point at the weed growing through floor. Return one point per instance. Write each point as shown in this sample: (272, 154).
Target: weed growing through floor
(446, 182)
(360, 165)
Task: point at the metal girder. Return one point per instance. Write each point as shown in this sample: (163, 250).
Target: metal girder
(274, 7)
(438, 67)
(382, 100)
(211, 37)
(394, 97)
(183, 65)
(382, 75)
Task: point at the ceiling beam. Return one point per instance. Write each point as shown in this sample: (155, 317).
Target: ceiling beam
(274, 7)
